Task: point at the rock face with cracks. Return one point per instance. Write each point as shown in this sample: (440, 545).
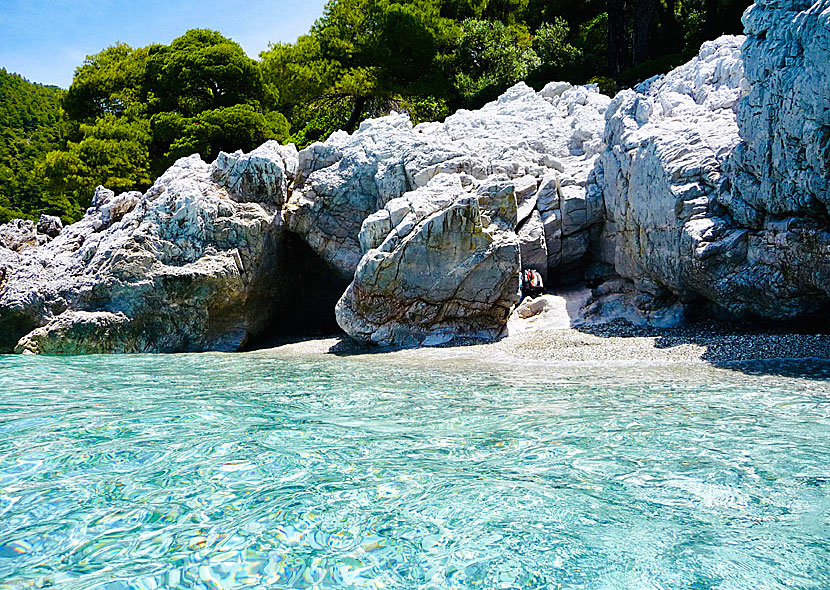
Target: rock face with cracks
(547, 140)
(450, 268)
(660, 174)
(184, 267)
(409, 212)
(692, 220)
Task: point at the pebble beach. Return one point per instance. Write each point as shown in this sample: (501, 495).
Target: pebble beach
(549, 336)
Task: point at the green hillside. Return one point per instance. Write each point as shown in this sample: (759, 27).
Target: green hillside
(30, 127)
(130, 112)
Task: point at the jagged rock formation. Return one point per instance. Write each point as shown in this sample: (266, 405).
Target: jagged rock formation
(261, 176)
(667, 141)
(21, 234)
(82, 332)
(715, 182)
(184, 267)
(782, 168)
(202, 261)
(548, 138)
(377, 205)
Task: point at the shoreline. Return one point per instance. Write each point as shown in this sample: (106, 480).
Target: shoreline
(552, 329)
(616, 344)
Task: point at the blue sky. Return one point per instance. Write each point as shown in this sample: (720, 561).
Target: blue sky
(45, 40)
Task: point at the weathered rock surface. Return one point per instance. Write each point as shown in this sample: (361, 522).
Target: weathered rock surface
(21, 234)
(449, 268)
(686, 224)
(782, 168)
(551, 136)
(184, 267)
(667, 141)
(260, 176)
(49, 225)
(373, 205)
(81, 332)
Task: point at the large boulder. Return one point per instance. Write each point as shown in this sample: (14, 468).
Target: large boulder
(190, 265)
(449, 267)
(680, 231)
(49, 225)
(82, 332)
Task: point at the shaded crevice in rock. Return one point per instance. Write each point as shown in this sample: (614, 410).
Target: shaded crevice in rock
(13, 326)
(300, 301)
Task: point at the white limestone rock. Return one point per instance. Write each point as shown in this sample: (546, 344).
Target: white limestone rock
(524, 135)
(108, 208)
(782, 168)
(183, 267)
(21, 234)
(82, 332)
(446, 270)
(363, 200)
(532, 244)
(260, 176)
(684, 179)
(667, 140)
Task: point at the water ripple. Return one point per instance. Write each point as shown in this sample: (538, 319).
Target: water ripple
(243, 471)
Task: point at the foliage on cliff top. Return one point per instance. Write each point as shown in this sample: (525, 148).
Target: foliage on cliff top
(30, 126)
(364, 58)
(130, 113)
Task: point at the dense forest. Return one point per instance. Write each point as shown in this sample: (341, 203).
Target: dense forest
(130, 113)
(30, 127)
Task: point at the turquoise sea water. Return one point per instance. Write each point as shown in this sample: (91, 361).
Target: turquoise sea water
(249, 471)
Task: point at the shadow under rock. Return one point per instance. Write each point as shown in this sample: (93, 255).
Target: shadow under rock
(347, 346)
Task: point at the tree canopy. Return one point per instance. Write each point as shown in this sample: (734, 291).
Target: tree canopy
(30, 127)
(130, 113)
(431, 57)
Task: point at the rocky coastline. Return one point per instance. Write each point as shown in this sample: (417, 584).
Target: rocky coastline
(699, 194)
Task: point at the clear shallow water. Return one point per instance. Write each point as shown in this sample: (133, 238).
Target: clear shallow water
(221, 471)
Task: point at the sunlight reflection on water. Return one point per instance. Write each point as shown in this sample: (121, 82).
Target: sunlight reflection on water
(257, 471)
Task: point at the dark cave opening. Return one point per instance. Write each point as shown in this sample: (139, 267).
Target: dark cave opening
(13, 326)
(303, 293)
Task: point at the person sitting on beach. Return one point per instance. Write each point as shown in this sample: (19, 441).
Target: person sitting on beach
(532, 285)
